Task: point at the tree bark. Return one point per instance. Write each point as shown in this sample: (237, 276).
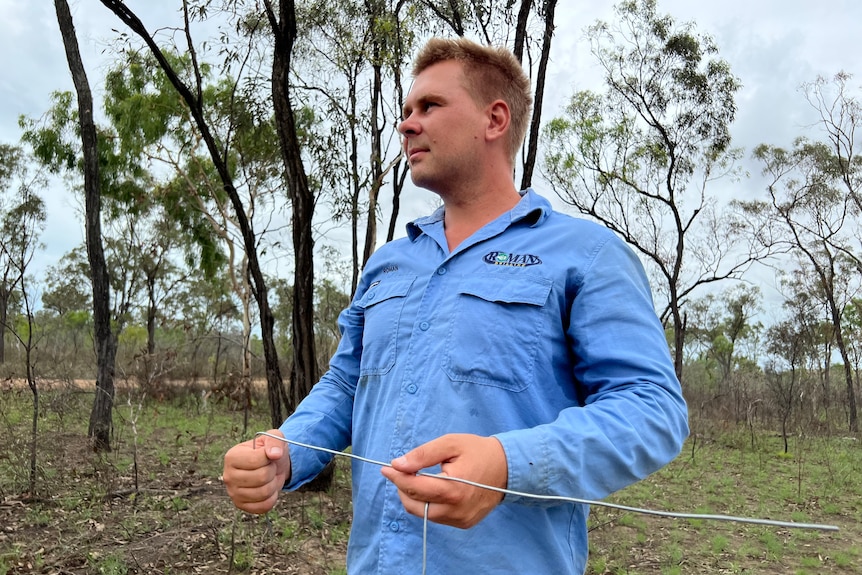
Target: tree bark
(302, 201)
(101, 427)
(4, 316)
(376, 158)
(305, 370)
(533, 136)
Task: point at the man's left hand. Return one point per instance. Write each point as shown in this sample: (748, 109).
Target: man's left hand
(472, 457)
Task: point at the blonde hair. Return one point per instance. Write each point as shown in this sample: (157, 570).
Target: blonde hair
(491, 73)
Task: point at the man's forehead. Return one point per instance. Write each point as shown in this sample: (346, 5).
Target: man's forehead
(436, 80)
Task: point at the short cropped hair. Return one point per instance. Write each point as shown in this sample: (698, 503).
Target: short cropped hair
(491, 73)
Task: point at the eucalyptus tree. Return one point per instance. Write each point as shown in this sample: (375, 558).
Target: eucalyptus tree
(643, 156)
(219, 146)
(800, 348)
(788, 349)
(100, 427)
(807, 199)
(127, 210)
(153, 122)
(204, 310)
(22, 218)
(67, 316)
(722, 323)
(840, 114)
(725, 336)
(854, 337)
(348, 69)
(21, 224)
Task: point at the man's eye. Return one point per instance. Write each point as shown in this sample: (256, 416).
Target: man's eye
(428, 105)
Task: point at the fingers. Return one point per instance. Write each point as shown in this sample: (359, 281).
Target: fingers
(478, 459)
(429, 454)
(255, 471)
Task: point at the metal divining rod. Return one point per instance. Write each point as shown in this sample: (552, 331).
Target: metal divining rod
(659, 513)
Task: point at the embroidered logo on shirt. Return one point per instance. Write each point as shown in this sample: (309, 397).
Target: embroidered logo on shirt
(511, 260)
(390, 269)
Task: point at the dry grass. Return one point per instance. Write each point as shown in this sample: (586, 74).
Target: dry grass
(155, 504)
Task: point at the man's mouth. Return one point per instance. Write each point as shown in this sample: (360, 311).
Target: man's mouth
(413, 153)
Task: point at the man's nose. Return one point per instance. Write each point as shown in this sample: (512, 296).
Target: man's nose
(408, 127)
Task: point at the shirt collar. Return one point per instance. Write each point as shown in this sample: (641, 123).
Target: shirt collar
(532, 207)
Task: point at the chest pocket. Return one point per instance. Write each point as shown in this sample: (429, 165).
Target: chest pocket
(495, 331)
(382, 304)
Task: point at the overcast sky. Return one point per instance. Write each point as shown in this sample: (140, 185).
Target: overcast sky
(773, 46)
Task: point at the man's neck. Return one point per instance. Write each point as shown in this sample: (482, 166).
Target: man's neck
(464, 216)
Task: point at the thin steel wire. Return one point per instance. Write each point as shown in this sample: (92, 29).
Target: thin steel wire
(659, 513)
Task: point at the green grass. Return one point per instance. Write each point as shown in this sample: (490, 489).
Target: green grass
(86, 517)
(819, 481)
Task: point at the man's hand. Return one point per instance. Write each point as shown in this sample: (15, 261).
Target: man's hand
(255, 472)
(471, 457)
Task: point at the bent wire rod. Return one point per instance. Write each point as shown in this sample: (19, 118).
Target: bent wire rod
(672, 514)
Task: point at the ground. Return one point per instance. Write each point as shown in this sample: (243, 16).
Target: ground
(155, 504)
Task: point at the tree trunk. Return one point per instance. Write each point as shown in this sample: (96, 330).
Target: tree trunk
(151, 315)
(848, 371)
(4, 316)
(304, 372)
(376, 160)
(302, 202)
(106, 345)
(533, 136)
(521, 29)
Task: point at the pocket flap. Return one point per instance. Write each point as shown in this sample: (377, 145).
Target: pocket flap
(386, 289)
(531, 290)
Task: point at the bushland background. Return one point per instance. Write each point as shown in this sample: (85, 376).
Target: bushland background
(236, 168)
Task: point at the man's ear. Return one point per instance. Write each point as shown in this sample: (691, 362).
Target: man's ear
(499, 119)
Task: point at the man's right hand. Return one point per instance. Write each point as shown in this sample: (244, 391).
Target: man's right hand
(255, 472)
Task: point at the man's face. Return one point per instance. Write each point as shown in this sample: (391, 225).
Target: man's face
(442, 128)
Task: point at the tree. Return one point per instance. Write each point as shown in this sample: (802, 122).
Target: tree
(641, 157)
(788, 349)
(194, 98)
(100, 428)
(806, 199)
(548, 9)
(348, 62)
(840, 117)
(304, 372)
(22, 214)
(720, 325)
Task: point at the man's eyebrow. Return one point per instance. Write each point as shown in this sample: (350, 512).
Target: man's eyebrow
(424, 98)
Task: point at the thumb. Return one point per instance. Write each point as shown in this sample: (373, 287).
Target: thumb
(273, 448)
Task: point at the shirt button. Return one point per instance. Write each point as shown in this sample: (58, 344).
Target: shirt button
(424, 326)
(394, 527)
(441, 271)
(371, 294)
(412, 388)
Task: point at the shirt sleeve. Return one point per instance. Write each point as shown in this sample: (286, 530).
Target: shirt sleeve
(633, 419)
(324, 418)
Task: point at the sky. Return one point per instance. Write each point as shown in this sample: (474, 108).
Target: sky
(772, 46)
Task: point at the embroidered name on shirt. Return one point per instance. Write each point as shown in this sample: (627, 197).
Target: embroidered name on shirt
(511, 260)
(390, 269)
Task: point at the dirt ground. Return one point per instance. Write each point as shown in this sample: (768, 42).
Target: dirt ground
(88, 516)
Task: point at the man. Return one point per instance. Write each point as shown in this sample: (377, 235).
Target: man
(499, 342)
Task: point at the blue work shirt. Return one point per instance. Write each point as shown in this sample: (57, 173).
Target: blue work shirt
(539, 330)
